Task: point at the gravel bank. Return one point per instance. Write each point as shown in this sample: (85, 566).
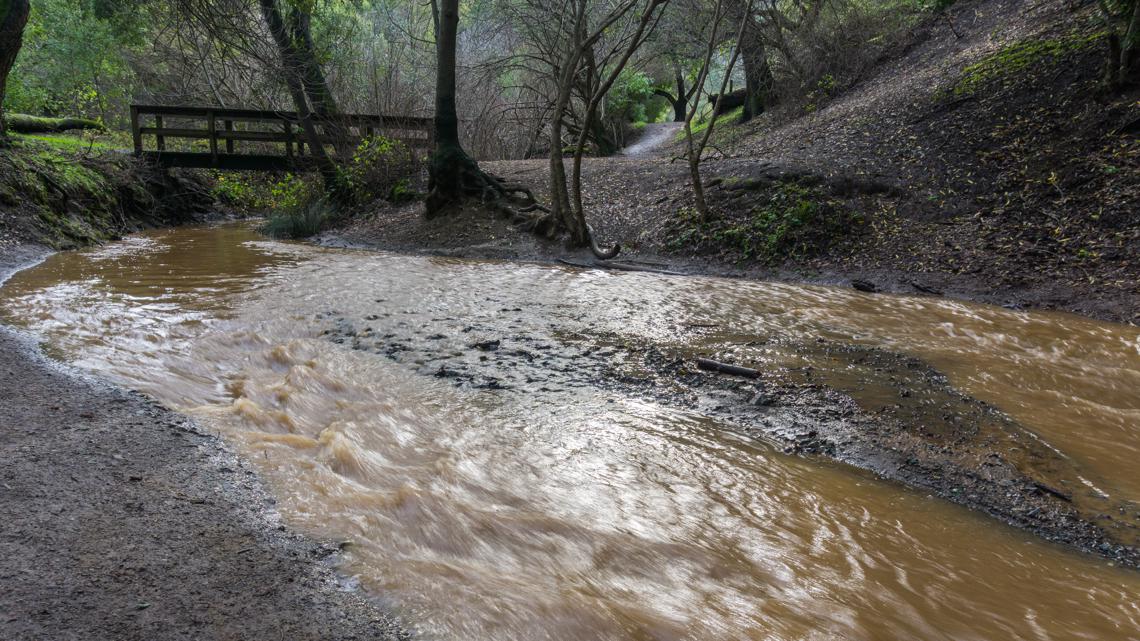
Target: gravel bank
(124, 521)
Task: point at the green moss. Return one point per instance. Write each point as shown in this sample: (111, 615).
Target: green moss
(89, 141)
(72, 199)
(1019, 57)
(791, 221)
(721, 120)
(72, 175)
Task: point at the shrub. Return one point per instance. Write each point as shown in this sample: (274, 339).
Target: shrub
(816, 57)
(381, 168)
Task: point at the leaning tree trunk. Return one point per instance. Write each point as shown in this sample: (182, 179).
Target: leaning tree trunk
(12, 22)
(314, 82)
(293, 72)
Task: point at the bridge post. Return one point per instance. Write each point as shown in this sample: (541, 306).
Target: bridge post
(211, 122)
(135, 133)
(160, 140)
(288, 139)
(229, 141)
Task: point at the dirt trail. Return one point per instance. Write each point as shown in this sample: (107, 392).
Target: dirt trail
(654, 137)
(123, 521)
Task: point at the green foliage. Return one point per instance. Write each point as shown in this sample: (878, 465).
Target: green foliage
(298, 205)
(631, 99)
(74, 59)
(381, 168)
(253, 192)
(792, 221)
(726, 118)
(82, 143)
(1018, 58)
(825, 88)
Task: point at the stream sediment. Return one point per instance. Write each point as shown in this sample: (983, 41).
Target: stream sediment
(124, 520)
(450, 418)
(888, 413)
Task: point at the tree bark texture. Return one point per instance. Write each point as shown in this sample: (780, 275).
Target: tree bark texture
(758, 78)
(449, 162)
(292, 67)
(13, 19)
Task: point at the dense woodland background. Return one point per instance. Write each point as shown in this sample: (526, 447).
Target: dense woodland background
(92, 58)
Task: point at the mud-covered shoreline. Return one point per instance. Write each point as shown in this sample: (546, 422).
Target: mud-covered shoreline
(123, 520)
(479, 234)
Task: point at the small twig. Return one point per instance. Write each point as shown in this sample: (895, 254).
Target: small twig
(726, 368)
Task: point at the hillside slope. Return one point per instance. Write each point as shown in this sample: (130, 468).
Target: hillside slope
(977, 161)
(996, 158)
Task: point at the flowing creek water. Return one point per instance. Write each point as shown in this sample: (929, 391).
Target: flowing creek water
(537, 508)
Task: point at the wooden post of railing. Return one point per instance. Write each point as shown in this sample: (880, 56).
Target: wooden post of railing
(229, 141)
(160, 140)
(135, 133)
(288, 139)
(211, 122)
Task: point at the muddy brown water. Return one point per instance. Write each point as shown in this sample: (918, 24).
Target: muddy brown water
(580, 514)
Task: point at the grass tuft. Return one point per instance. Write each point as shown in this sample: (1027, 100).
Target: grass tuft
(300, 221)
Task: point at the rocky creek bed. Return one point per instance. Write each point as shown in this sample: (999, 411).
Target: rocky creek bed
(889, 413)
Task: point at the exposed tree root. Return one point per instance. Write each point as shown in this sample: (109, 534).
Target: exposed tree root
(464, 180)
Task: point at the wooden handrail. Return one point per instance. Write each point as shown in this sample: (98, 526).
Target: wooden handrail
(414, 131)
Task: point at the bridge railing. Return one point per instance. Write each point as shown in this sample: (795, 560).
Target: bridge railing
(268, 139)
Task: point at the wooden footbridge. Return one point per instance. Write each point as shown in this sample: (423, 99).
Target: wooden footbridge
(257, 140)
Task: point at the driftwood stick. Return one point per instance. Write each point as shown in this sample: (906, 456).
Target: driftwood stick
(624, 267)
(710, 365)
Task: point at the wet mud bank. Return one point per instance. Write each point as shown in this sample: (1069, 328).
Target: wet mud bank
(480, 234)
(889, 413)
(123, 520)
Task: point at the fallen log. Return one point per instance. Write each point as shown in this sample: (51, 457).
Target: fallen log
(710, 365)
(624, 267)
(25, 124)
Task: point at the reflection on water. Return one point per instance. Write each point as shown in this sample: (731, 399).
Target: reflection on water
(576, 514)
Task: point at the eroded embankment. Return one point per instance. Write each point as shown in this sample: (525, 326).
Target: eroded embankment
(63, 199)
(122, 520)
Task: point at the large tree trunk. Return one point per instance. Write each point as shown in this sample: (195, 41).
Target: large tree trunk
(757, 73)
(293, 72)
(1129, 65)
(682, 101)
(448, 161)
(452, 174)
(559, 190)
(13, 19)
(313, 77)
